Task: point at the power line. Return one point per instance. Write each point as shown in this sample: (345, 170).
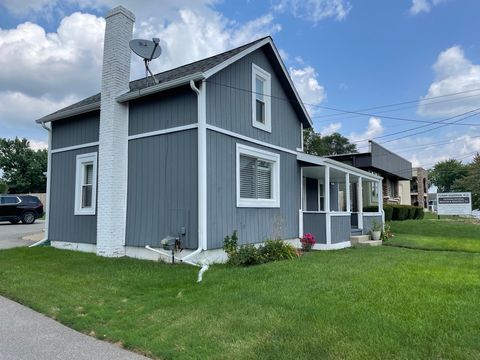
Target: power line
(391, 110)
(330, 108)
(409, 102)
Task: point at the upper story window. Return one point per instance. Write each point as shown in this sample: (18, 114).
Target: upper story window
(258, 177)
(261, 99)
(86, 184)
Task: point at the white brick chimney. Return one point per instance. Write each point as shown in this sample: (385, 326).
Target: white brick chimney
(112, 164)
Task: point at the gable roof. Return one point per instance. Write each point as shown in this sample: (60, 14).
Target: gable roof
(198, 70)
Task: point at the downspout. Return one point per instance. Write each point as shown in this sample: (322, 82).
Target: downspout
(49, 168)
(202, 184)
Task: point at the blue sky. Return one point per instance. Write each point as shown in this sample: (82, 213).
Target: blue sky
(347, 55)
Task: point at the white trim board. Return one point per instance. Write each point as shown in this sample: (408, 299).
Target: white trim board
(163, 131)
(274, 159)
(249, 139)
(74, 147)
(336, 246)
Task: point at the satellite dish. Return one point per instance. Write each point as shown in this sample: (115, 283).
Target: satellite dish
(148, 50)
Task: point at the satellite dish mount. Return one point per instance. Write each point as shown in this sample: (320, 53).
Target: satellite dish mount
(148, 50)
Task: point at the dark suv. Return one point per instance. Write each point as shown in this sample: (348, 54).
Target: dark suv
(25, 208)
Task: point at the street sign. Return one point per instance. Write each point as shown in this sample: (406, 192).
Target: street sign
(454, 203)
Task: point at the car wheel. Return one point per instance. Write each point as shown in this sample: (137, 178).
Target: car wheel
(28, 217)
(14, 221)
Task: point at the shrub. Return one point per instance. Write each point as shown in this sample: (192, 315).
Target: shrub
(386, 233)
(420, 213)
(308, 240)
(388, 212)
(247, 255)
(230, 244)
(411, 212)
(275, 250)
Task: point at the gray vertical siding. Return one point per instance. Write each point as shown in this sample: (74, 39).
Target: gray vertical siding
(81, 129)
(315, 224)
(162, 188)
(167, 109)
(340, 228)
(253, 224)
(64, 225)
(229, 103)
(368, 221)
(312, 194)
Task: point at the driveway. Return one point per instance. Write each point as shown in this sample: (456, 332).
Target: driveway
(11, 235)
(26, 334)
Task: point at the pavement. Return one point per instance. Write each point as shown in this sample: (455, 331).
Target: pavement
(11, 234)
(28, 335)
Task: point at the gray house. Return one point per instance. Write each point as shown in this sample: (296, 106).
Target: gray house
(214, 146)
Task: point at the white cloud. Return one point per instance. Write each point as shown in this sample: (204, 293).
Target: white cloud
(38, 144)
(20, 110)
(36, 63)
(374, 129)
(202, 34)
(419, 6)
(307, 84)
(330, 129)
(315, 10)
(454, 73)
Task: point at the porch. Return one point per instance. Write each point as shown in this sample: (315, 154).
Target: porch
(332, 201)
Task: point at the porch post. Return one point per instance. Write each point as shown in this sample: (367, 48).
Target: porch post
(380, 196)
(328, 223)
(347, 193)
(327, 188)
(300, 211)
(360, 202)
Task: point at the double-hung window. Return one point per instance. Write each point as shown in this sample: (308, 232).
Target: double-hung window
(258, 177)
(86, 184)
(261, 99)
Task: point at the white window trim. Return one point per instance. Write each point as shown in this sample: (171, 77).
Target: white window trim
(263, 155)
(81, 159)
(256, 70)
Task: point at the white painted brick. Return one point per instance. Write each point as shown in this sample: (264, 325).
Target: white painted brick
(113, 141)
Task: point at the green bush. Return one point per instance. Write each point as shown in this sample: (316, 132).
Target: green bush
(412, 210)
(388, 212)
(247, 255)
(420, 213)
(274, 250)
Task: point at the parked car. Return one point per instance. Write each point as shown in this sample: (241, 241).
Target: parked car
(24, 208)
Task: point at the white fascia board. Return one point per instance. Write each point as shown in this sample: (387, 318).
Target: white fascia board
(251, 49)
(131, 95)
(68, 113)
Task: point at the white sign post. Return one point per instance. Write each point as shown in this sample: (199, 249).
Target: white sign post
(454, 203)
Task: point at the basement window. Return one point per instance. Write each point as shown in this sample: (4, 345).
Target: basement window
(261, 99)
(258, 178)
(86, 184)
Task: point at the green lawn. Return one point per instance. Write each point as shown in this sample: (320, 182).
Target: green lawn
(432, 234)
(362, 303)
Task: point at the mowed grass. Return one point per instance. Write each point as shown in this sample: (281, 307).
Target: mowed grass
(452, 234)
(363, 303)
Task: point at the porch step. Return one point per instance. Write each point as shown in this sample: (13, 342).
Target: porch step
(359, 239)
(371, 242)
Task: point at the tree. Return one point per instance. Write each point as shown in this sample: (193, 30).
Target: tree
(445, 173)
(471, 182)
(23, 168)
(334, 144)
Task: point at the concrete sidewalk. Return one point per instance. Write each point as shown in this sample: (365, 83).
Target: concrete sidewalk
(26, 334)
